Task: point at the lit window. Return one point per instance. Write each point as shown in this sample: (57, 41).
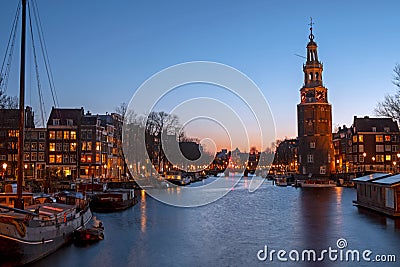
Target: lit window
(378, 138)
(59, 134)
(34, 156)
(360, 138)
(52, 146)
(52, 135)
(388, 157)
(89, 158)
(59, 158)
(27, 156)
(354, 138)
(98, 146)
(66, 134)
(73, 135)
(72, 147)
(379, 158)
(322, 170)
(52, 158)
(387, 138)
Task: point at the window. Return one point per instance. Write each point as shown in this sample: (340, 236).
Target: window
(360, 158)
(386, 129)
(312, 145)
(97, 157)
(59, 134)
(41, 156)
(388, 157)
(378, 138)
(70, 122)
(2, 157)
(58, 147)
(66, 159)
(310, 158)
(395, 148)
(354, 148)
(322, 170)
(72, 159)
(52, 146)
(89, 158)
(59, 158)
(72, 147)
(379, 158)
(41, 135)
(66, 135)
(98, 146)
(52, 135)
(56, 121)
(374, 129)
(361, 148)
(83, 135)
(33, 146)
(27, 156)
(52, 158)
(89, 134)
(395, 138)
(13, 133)
(388, 148)
(34, 156)
(355, 158)
(379, 148)
(387, 138)
(361, 138)
(26, 146)
(354, 138)
(41, 146)
(73, 135)
(65, 147)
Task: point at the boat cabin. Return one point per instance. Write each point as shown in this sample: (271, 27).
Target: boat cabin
(379, 192)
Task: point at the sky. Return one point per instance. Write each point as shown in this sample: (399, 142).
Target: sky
(102, 51)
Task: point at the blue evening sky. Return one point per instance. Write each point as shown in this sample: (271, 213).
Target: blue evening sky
(101, 51)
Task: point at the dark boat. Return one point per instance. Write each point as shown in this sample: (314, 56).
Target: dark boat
(112, 200)
(30, 232)
(88, 235)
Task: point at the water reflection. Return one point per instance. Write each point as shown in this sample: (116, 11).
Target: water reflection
(143, 210)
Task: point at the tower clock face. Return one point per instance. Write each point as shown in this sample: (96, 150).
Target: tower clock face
(320, 96)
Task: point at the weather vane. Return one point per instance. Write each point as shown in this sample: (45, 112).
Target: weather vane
(311, 24)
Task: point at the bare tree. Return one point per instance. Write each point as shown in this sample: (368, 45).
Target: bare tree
(390, 106)
(8, 102)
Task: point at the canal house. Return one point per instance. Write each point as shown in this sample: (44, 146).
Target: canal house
(379, 192)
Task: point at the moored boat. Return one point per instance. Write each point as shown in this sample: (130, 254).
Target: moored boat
(38, 230)
(317, 183)
(112, 200)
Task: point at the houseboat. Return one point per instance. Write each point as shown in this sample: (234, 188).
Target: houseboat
(112, 200)
(379, 192)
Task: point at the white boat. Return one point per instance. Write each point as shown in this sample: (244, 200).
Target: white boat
(317, 183)
(29, 234)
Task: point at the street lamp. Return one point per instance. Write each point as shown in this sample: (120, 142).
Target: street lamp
(364, 155)
(105, 170)
(373, 162)
(394, 166)
(4, 169)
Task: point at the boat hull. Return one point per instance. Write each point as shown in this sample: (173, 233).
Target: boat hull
(20, 245)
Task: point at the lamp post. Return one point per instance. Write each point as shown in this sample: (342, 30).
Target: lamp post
(364, 155)
(373, 162)
(4, 170)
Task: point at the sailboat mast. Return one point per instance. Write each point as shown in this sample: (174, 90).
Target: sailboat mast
(19, 203)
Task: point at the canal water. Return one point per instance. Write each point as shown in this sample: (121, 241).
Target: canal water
(233, 230)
